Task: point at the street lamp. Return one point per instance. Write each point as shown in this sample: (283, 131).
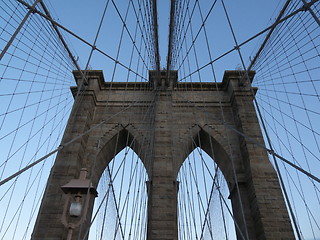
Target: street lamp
(77, 204)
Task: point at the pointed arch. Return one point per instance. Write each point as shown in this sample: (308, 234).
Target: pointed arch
(120, 212)
(114, 141)
(213, 143)
(204, 210)
(119, 147)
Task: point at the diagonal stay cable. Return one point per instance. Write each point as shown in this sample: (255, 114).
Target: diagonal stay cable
(84, 81)
(81, 39)
(120, 42)
(301, 9)
(252, 140)
(112, 176)
(34, 155)
(311, 11)
(61, 38)
(287, 148)
(199, 31)
(4, 50)
(269, 34)
(130, 36)
(264, 127)
(62, 146)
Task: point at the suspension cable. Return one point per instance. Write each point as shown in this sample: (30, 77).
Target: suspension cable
(263, 125)
(78, 37)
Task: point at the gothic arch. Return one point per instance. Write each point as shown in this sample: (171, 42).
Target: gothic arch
(211, 141)
(201, 183)
(113, 142)
(166, 139)
(122, 187)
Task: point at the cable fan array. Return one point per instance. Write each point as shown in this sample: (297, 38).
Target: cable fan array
(288, 81)
(35, 104)
(287, 70)
(36, 76)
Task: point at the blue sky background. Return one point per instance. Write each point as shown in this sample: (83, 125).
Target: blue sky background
(29, 131)
(248, 18)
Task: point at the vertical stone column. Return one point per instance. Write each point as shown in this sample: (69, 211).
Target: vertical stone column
(162, 212)
(262, 200)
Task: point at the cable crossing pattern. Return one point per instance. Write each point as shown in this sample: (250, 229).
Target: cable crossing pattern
(43, 57)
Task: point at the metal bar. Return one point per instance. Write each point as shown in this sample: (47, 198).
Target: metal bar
(155, 33)
(171, 32)
(306, 5)
(269, 34)
(31, 10)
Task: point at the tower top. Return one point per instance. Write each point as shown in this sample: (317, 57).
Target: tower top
(163, 79)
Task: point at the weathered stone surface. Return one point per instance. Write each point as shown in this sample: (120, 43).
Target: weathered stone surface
(166, 120)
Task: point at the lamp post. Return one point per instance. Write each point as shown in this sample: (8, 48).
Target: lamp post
(78, 192)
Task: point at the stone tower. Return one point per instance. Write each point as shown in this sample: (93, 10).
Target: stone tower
(182, 114)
